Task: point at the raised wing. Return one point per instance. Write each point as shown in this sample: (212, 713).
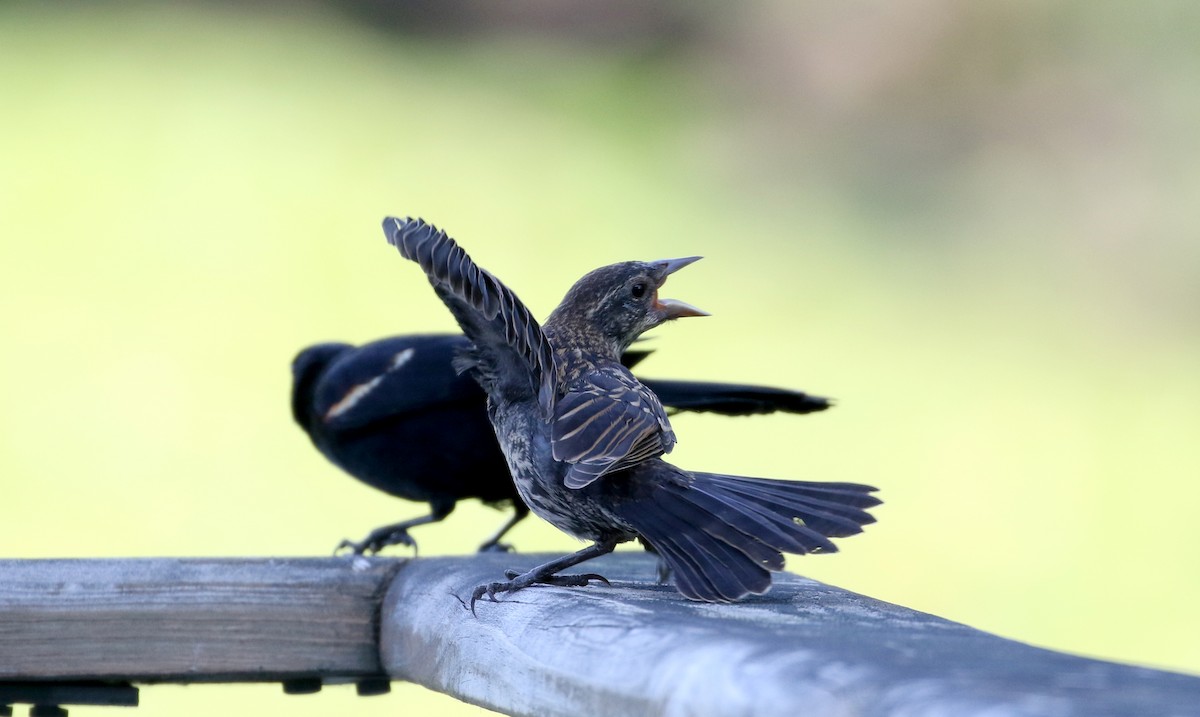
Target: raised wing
(511, 354)
(607, 422)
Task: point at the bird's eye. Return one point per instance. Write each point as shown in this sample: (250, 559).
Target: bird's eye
(638, 290)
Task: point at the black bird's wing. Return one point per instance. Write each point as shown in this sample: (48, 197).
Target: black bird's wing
(607, 422)
(392, 377)
(511, 355)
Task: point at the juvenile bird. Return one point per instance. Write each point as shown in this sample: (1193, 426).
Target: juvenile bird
(583, 437)
(395, 414)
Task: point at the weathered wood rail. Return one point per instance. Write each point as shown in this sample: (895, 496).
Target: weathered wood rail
(632, 648)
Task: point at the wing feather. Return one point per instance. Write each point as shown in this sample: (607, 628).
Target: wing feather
(606, 422)
(511, 353)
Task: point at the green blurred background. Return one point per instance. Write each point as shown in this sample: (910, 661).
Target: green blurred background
(976, 226)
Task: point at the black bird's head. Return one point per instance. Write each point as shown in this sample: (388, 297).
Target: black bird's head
(615, 304)
(307, 369)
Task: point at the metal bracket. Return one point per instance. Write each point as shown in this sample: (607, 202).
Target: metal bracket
(47, 697)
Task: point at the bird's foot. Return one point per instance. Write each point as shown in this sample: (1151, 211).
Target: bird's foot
(517, 581)
(495, 546)
(563, 581)
(377, 540)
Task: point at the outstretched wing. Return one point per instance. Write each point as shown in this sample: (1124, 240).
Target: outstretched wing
(511, 354)
(607, 422)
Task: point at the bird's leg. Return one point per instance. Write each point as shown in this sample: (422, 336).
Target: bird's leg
(394, 534)
(663, 569)
(545, 574)
(493, 544)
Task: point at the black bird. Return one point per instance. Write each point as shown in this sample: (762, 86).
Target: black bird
(583, 438)
(395, 414)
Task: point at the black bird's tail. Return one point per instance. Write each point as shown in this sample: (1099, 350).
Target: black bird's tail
(731, 399)
(721, 535)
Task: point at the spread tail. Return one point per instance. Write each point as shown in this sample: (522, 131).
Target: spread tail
(722, 535)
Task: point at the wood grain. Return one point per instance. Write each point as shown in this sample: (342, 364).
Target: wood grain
(805, 648)
(633, 648)
(190, 620)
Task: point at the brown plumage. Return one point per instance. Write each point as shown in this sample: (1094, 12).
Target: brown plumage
(584, 438)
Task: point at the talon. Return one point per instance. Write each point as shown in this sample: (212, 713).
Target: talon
(573, 581)
(355, 548)
(496, 548)
(400, 537)
(482, 591)
(511, 574)
(373, 543)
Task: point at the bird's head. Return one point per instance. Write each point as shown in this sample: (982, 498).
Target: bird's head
(307, 368)
(617, 303)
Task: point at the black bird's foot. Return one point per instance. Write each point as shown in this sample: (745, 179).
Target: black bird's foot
(517, 581)
(377, 540)
(495, 546)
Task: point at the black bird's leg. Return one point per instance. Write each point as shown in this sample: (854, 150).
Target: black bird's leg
(493, 544)
(396, 533)
(545, 574)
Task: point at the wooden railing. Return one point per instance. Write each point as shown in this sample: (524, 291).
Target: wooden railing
(87, 631)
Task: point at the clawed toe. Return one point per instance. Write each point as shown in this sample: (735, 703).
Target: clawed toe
(489, 590)
(574, 581)
(547, 574)
(496, 548)
(373, 543)
(517, 581)
(366, 547)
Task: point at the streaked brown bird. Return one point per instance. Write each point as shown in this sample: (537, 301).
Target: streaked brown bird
(583, 437)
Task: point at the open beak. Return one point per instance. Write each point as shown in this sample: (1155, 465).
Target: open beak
(672, 308)
(677, 309)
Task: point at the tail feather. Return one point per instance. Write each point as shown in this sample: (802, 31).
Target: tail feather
(721, 535)
(851, 494)
(740, 576)
(827, 516)
(732, 399)
(704, 567)
(659, 533)
(688, 575)
(690, 515)
(761, 523)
